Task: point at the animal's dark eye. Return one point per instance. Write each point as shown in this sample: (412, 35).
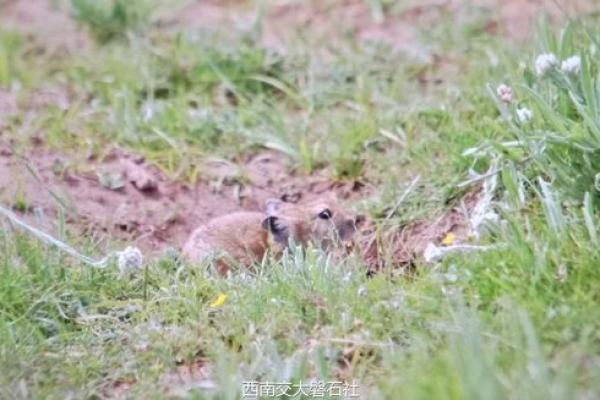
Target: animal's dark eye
(325, 214)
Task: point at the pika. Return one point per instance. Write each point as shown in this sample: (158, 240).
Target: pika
(244, 237)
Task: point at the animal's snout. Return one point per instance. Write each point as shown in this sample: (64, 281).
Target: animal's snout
(349, 227)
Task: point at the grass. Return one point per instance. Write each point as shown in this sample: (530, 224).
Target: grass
(112, 19)
(519, 321)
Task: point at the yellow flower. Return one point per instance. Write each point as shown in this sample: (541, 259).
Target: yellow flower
(219, 301)
(449, 239)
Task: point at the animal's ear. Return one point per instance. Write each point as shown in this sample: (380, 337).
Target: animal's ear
(273, 206)
(276, 227)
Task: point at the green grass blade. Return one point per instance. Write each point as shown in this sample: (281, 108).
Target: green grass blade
(588, 216)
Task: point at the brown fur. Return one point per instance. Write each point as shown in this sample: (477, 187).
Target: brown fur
(245, 237)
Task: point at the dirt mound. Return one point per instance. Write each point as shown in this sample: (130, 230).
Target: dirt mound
(401, 247)
(121, 196)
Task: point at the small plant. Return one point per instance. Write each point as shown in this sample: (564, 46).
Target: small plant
(9, 48)
(553, 113)
(21, 204)
(112, 19)
(351, 142)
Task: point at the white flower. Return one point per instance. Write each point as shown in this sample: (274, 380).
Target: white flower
(129, 259)
(524, 115)
(505, 93)
(362, 291)
(451, 276)
(148, 111)
(562, 273)
(544, 63)
(571, 65)
(432, 253)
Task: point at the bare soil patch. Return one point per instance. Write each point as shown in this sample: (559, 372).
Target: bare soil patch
(401, 247)
(46, 22)
(8, 106)
(327, 22)
(186, 377)
(176, 383)
(121, 196)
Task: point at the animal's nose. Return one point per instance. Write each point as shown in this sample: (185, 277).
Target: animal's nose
(347, 228)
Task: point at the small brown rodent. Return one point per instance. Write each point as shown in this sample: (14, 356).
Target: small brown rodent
(244, 237)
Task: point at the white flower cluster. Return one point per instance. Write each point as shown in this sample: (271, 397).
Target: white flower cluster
(505, 93)
(571, 65)
(547, 62)
(129, 260)
(544, 63)
(524, 115)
